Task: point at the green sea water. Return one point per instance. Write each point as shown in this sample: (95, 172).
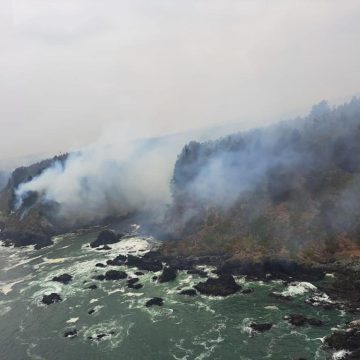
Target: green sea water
(183, 328)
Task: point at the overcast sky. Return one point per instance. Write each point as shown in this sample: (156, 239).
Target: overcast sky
(71, 68)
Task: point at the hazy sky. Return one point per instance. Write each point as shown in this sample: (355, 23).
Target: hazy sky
(71, 68)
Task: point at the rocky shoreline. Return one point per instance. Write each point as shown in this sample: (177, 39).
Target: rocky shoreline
(342, 287)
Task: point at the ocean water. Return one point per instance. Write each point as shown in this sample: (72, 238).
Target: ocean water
(183, 328)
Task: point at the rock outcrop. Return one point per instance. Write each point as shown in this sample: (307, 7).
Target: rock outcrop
(51, 298)
(224, 285)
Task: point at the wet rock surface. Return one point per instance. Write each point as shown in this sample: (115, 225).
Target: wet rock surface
(224, 285)
(169, 274)
(144, 263)
(101, 336)
(51, 298)
(118, 261)
(63, 278)
(301, 320)
(105, 237)
(154, 301)
(261, 327)
(115, 275)
(92, 287)
(100, 265)
(270, 269)
(188, 292)
(70, 334)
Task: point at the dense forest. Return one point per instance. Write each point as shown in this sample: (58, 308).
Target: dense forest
(291, 189)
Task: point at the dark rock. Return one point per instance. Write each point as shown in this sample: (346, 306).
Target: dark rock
(198, 272)
(168, 274)
(247, 291)
(105, 237)
(63, 278)
(154, 278)
(348, 339)
(91, 311)
(314, 322)
(92, 287)
(115, 275)
(101, 336)
(261, 327)
(51, 299)
(24, 238)
(301, 320)
(154, 301)
(224, 285)
(70, 334)
(99, 277)
(277, 268)
(132, 281)
(139, 273)
(188, 292)
(144, 263)
(100, 265)
(135, 286)
(296, 319)
(118, 261)
(105, 247)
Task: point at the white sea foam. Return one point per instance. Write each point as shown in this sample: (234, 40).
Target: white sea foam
(4, 310)
(340, 354)
(73, 320)
(53, 261)
(7, 287)
(271, 307)
(299, 288)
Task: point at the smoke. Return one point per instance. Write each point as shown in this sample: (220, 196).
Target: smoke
(106, 178)
(117, 175)
(312, 164)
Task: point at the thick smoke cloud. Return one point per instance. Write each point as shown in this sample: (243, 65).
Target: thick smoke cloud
(315, 157)
(117, 175)
(106, 179)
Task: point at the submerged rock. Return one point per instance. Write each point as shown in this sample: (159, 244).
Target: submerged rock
(224, 285)
(154, 301)
(105, 247)
(105, 237)
(168, 274)
(188, 292)
(115, 275)
(63, 278)
(92, 287)
(247, 291)
(101, 336)
(100, 265)
(70, 334)
(132, 281)
(261, 327)
(135, 286)
(301, 320)
(51, 298)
